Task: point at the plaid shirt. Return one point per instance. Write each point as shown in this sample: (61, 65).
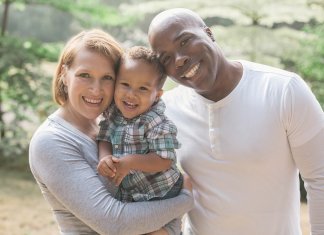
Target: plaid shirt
(149, 132)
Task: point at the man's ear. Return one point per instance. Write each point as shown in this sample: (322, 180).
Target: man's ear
(209, 33)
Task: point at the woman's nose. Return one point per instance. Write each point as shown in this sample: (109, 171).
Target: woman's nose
(96, 87)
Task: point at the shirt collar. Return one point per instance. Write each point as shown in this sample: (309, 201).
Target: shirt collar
(117, 117)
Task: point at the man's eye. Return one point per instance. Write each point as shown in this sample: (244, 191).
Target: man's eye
(143, 88)
(184, 42)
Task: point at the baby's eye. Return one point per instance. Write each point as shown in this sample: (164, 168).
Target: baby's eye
(142, 88)
(124, 84)
(108, 77)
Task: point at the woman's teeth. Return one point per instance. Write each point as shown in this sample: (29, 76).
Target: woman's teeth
(92, 101)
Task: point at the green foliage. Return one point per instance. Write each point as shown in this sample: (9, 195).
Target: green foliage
(311, 64)
(308, 60)
(91, 12)
(25, 97)
(257, 30)
(24, 90)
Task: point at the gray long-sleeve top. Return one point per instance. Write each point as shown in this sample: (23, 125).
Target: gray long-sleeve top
(63, 161)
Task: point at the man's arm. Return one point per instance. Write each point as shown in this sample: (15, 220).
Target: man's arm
(305, 129)
(150, 162)
(309, 158)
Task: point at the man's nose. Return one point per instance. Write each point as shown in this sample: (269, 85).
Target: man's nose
(181, 60)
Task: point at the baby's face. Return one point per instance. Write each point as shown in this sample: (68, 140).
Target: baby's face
(136, 88)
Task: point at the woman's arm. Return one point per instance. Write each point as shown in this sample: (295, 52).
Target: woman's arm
(60, 165)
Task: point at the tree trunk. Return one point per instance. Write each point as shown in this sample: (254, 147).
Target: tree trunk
(5, 17)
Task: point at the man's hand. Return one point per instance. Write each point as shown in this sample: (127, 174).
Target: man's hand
(107, 166)
(187, 182)
(161, 231)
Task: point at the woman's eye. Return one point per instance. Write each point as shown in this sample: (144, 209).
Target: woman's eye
(84, 75)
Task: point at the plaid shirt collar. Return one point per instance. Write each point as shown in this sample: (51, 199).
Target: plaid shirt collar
(117, 117)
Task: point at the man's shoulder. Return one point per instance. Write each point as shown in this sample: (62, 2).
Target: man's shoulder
(265, 69)
(179, 92)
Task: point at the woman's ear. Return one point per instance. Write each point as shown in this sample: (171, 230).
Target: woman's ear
(63, 74)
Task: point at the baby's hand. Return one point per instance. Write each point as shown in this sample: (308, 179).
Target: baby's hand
(107, 167)
(123, 169)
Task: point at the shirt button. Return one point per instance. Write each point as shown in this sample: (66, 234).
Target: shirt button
(116, 146)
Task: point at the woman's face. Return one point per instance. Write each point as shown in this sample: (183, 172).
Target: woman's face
(90, 83)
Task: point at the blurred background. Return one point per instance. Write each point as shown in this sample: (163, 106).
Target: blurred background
(288, 34)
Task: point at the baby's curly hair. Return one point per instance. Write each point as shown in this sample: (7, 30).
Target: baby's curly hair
(146, 54)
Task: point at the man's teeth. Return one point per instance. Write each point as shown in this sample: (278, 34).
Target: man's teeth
(192, 71)
(92, 101)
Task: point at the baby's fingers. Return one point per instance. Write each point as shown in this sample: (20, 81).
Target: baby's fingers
(106, 169)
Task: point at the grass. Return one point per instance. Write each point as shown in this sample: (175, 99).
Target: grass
(23, 211)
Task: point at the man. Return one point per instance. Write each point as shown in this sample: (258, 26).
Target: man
(246, 131)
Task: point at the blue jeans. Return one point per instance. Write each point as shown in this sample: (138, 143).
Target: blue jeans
(173, 192)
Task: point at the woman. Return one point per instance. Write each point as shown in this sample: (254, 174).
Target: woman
(63, 151)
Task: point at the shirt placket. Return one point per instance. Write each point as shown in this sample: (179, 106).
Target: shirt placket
(214, 131)
(119, 144)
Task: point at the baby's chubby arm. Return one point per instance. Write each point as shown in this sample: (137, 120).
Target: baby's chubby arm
(118, 168)
(149, 163)
(106, 166)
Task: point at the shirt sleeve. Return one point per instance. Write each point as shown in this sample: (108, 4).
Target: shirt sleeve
(304, 119)
(309, 158)
(104, 131)
(59, 164)
(301, 111)
(162, 139)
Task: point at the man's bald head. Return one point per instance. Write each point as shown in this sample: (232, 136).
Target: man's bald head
(175, 15)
